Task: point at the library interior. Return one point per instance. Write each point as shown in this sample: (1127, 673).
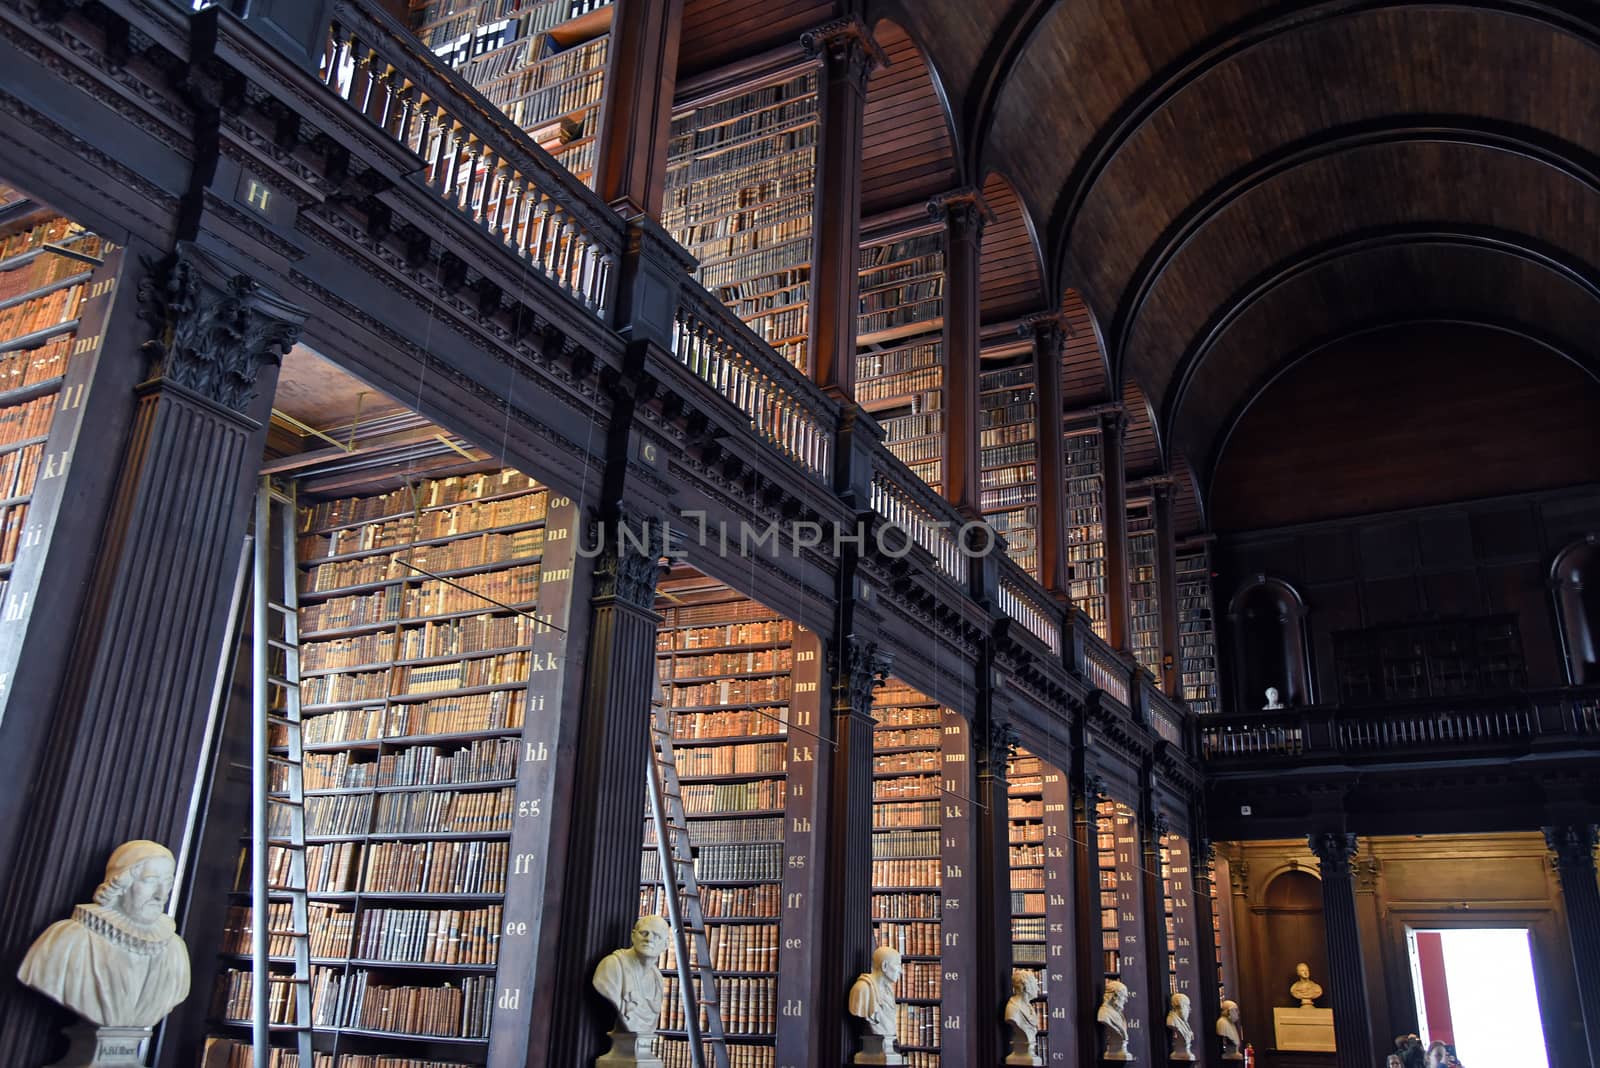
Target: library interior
(799, 533)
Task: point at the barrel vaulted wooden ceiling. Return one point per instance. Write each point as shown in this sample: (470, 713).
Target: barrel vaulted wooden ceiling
(1232, 185)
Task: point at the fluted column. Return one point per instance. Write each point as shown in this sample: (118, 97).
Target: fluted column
(125, 742)
(1573, 845)
(963, 213)
(1049, 332)
(1347, 979)
(993, 812)
(859, 668)
(848, 55)
(1113, 425)
(600, 898)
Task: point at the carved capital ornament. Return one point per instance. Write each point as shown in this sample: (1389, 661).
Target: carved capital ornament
(213, 330)
(1334, 851)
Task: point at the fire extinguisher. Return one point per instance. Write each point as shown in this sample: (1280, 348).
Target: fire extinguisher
(1249, 1056)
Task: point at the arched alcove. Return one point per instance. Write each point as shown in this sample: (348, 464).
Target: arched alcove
(1267, 622)
(1292, 923)
(1575, 582)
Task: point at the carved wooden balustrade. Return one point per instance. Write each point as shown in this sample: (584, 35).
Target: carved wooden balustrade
(473, 157)
(1025, 601)
(1533, 722)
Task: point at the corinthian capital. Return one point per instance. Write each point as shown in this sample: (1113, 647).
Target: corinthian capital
(213, 329)
(846, 49)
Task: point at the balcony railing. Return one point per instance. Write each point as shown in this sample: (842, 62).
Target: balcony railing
(906, 502)
(473, 157)
(1166, 715)
(1023, 600)
(1515, 722)
(1102, 668)
(785, 408)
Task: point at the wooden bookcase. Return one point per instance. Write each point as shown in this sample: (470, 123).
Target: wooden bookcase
(1086, 530)
(900, 351)
(740, 193)
(53, 313)
(1197, 635)
(1009, 458)
(1040, 811)
(1120, 873)
(1182, 931)
(909, 857)
(432, 621)
(728, 666)
(1144, 591)
(544, 65)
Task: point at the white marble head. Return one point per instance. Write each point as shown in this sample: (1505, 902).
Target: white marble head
(886, 961)
(650, 936)
(1025, 983)
(1179, 1005)
(138, 881)
(1116, 995)
(1230, 1011)
(1303, 970)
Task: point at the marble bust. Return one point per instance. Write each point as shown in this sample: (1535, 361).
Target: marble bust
(1305, 990)
(1113, 1025)
(1273, 701)
(872, 1000)
(1228, 1031)
(119, 962)
(1022, 1018)
(1178, 1027)
(630, 980)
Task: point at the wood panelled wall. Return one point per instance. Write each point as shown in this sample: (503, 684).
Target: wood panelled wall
(1009, 282)
(1083, 364)
(1481, 558)
(907, 151)
(1405, 417)
(1426, 883)
(717, 32)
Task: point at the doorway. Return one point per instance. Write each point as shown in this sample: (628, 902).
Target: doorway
(1474, 990)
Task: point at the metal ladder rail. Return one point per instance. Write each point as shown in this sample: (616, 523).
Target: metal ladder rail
(708, 1047)
(275, 638)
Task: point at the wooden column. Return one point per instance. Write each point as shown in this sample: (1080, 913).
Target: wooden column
(124, 745)
(1085, 993)
(631, 165)
(601, 892)
(1573, 845)
(1206, 1002)
(1049, 331)
(963, 213)
(1152, 825)
(1113, 425)
(848, 55)
(1347, 979)
(994, 745)
(1167, 589)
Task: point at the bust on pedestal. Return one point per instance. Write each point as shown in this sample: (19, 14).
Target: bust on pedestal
(1230, 1032)
(1273, 703)
(1022, 1018)
(1307, 1028)
(1178, 1027)
(1113, 1025)
(630, 980)
(872, 1000)
(118, 963)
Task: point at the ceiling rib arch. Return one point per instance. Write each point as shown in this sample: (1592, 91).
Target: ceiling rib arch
(1568, 159)
(1373, 281)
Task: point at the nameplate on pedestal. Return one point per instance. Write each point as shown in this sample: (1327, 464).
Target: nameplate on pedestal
(1304, 1030)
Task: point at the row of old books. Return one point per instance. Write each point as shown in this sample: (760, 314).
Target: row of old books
(751, 633)
(905, 905)
(1027, 832)
(1025, 856)
(1027, 879)
(731, 663)
(905, 814)
(430, 936)
(20, 422)
(404, 520)
(460, 1008)
(710, 799)
(731, 832)
(897, 845)
(918, 1025)
(899, 707)
(747, 759)
(58, 230)
(436, 867)
(920, 980)
(889, 789)
(458, 554)
(443, 812)
(739, 863)
(19, 470)
(913, 872)
(466, 674)
(900, 763)
(743, 722)
(731, 691)
(428, 493)
(872, 390)
(328, 927)
(25, 367)
(720, 902)
(57, 307)
(467, 714)
(675, 1053)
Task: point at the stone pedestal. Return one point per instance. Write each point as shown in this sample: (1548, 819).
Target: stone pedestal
(105, 1047)
(1021, 1050)
(629, 1050)
(1304, 1030)
(875, 1049)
